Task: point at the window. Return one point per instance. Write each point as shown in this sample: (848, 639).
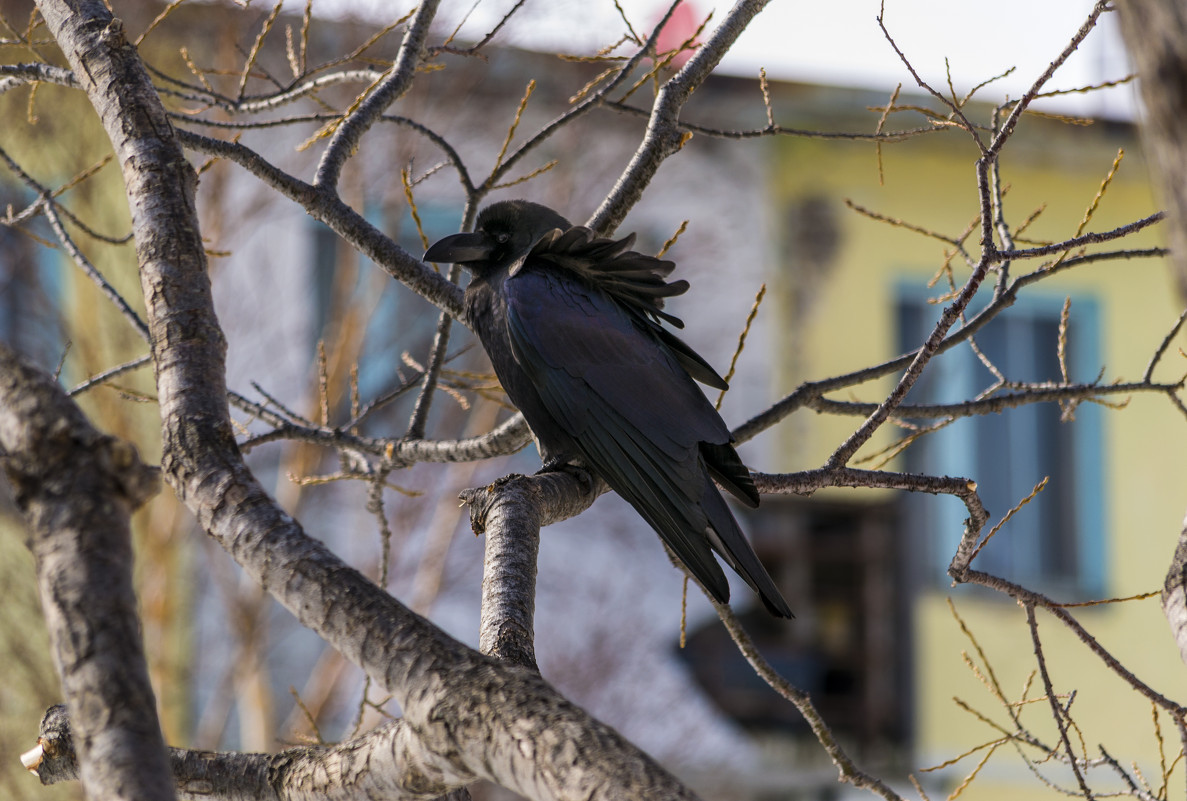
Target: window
(1055, 544)
(30, 293)
(401, 322)
(840, 565)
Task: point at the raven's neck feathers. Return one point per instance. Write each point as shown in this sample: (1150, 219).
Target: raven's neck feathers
(634, 279)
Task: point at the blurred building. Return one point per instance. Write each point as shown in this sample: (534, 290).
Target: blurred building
(874, 641)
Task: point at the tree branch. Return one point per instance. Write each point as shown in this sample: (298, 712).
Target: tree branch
(663, 136)
(848, 769)
(510, 513)
(345, 140)
(1155, 32)
(342, 219)
(379, 764)
(77, 490)
(473, 715)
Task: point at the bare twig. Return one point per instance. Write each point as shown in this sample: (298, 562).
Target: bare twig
(346, 138)
(664, 137)
(849, 772)
(1024, 102)
(1056, 711)
(107, 375)
(1148, 375)
(950, 103)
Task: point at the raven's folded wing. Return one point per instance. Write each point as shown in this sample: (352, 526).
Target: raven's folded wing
(638, 419)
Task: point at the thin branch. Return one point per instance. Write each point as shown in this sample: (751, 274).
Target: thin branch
(930, 347)
(48, 207)
(270, 101)
(586, 105)
(486, 39)
(1085, 239)
(663, 136)
(51, 214)
(107, 375)
(1056, 711)
(1134, 790)
(1024, 102)
(950, 103)
(809, 481)
(250, 61)
(780, 130)
(961, 573)
(345, 140)
(994, 404)
(38, 72)
(849, 772)
(341, 218)
(809, 392)
(420, 413)
(509, 437)
(1147, 376)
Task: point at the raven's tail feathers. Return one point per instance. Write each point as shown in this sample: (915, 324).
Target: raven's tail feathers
(727, 468)
(728, 540)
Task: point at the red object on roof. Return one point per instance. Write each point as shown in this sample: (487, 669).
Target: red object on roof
(679, 28)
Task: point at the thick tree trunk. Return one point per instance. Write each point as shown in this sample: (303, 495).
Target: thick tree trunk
(1156, 34)
(466, 715)
(77, 489)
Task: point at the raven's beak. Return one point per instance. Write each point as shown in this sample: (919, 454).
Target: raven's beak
(459, 249)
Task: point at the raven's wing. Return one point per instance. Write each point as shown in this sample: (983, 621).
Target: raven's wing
(633, 279)
(636, 416)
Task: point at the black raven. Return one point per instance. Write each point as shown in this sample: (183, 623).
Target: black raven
(572, 325)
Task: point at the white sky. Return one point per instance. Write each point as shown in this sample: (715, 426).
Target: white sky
(839, 42)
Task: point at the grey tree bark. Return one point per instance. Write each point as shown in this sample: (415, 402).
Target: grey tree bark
(77, 489)
(1155, 33)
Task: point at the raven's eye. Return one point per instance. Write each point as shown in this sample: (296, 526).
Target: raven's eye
(503, 237)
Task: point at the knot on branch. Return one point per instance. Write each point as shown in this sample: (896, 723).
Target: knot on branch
(550, 496)
(53, 759)
(118, 461)
(113, 34)
(46, 442)
(137, 481)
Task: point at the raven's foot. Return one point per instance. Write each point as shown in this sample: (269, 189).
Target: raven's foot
(498, 482)
(576, 470)
(553, 465)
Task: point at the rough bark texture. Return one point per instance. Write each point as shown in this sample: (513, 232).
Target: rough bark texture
(1155, 32)
(296, 773)
(466, 715)
(1156, 35)
(1174, 594)
(76, 489)
(512, 528)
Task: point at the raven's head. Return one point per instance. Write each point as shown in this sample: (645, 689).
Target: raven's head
(505, 232)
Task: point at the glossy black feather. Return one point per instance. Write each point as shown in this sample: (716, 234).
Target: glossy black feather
(573, 327)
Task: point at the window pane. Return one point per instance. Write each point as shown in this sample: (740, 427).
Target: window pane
(1053, 543)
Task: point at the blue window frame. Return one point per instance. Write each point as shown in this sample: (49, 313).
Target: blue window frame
(401, 321)
(31, 291)
(1056, 543)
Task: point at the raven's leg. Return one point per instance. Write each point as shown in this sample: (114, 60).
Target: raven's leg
(574, 467)
(553, 463)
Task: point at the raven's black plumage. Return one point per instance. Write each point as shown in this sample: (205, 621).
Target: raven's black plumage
(572, 325)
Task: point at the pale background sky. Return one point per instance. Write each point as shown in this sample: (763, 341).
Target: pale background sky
(839, 42)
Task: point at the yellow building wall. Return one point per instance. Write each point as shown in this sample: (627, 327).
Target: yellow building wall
(930, 182)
